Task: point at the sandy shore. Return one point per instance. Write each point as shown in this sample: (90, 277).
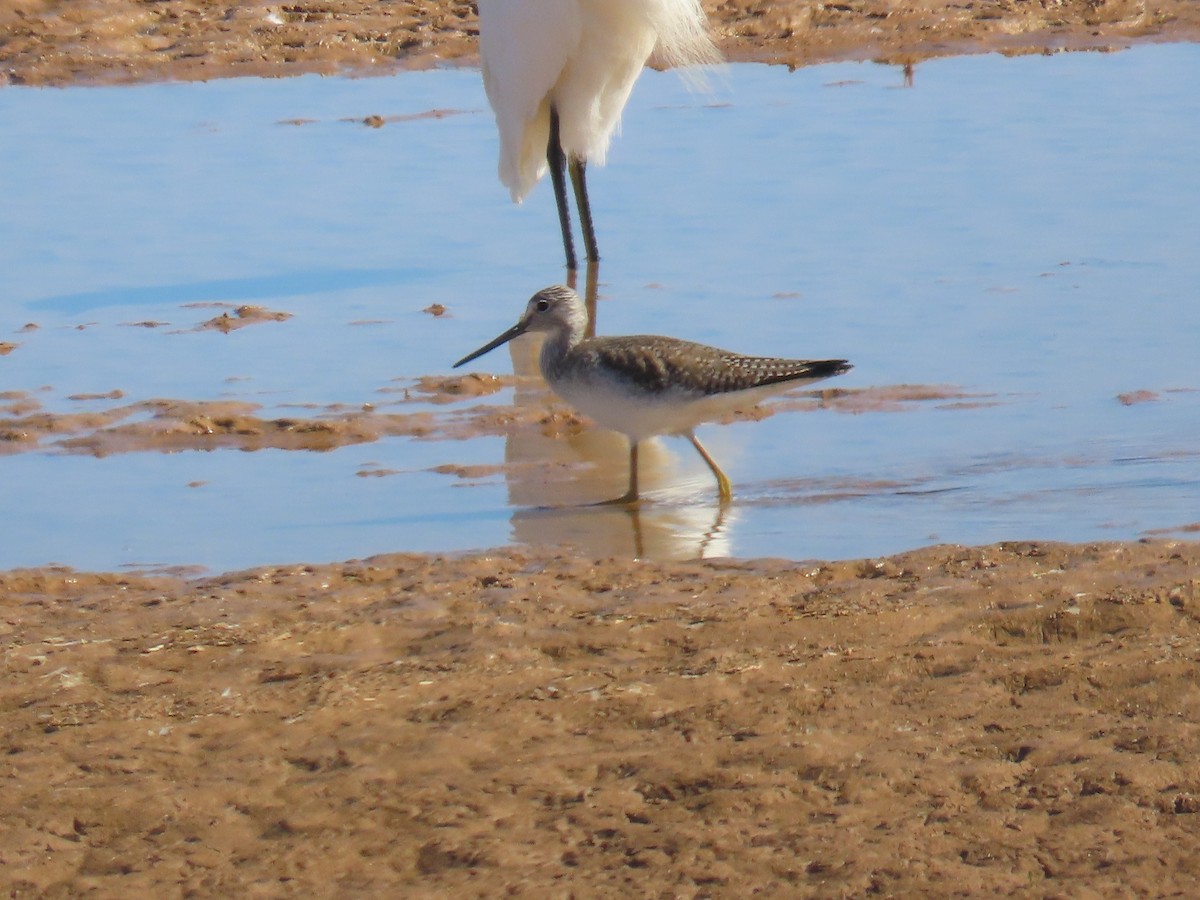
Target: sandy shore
(1013, 720)
(1017, 720)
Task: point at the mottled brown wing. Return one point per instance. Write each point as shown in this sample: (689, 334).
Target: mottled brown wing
(657, 364)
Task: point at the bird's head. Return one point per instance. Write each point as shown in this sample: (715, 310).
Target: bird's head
(556, 309)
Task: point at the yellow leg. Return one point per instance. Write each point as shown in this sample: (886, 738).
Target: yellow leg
(723, 485)
(631, 495)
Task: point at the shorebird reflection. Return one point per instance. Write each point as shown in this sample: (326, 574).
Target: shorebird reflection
(662, 531)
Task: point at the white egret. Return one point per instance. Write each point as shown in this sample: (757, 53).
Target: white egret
(558, 74)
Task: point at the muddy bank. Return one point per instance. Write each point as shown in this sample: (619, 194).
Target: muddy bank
(64, 41)
(171, 425)
(1013, 720)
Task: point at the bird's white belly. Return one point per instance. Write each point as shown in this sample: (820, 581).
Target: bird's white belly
(639, 415)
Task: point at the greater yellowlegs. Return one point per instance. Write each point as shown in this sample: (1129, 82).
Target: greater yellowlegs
(644, 385)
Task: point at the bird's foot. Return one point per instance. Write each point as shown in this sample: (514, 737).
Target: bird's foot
(626, 499)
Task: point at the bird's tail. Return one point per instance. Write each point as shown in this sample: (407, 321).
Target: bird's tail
(683, 34)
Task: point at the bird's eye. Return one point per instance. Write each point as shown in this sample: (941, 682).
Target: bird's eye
(543, 305)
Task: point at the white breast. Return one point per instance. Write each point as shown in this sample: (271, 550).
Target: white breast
(640, 416)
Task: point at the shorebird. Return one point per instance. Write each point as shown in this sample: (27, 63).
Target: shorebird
(558, 73)
(646, 385)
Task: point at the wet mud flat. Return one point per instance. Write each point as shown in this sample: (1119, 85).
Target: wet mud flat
(1011, 720)
(115, 425)
(63, 42)
(1017, 719)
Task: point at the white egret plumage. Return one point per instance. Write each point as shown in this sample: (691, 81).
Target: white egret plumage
(558, 74)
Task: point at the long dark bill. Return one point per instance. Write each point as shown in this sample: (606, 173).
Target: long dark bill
(516, 331)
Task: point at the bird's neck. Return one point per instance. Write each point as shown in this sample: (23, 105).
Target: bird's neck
(555, 350)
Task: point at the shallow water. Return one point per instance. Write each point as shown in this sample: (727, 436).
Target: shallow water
(1021, 229)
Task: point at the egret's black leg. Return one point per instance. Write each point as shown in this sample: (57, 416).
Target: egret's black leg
(578, 169)
(557, 162)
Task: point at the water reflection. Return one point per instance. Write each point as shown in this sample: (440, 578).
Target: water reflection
(648, 530)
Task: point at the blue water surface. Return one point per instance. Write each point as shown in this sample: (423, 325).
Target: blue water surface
(1019, 230)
